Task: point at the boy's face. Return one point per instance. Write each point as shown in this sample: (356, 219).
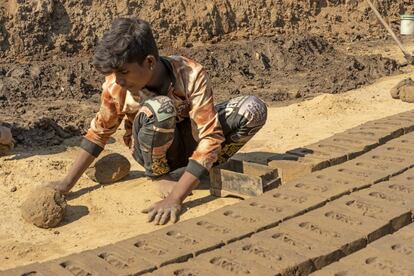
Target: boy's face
(133, 76)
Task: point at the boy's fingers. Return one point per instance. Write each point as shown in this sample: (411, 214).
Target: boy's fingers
(165, 217)
(158, 216)
(174, 217)
(151, 215)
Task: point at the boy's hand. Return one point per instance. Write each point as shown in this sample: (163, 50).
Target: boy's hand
(164, 210)
(59, 186)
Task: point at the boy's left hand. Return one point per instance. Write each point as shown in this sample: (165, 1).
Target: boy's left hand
(164, 210)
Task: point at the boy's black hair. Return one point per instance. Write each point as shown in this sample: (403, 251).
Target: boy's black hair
(128, 40)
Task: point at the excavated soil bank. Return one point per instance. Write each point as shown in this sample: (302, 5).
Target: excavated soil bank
(49, 92)
(31, 29)
(48, 101)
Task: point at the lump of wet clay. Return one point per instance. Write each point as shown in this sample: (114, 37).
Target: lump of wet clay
(109, 169)
(44, 207)
(407, 93)
(396, 90)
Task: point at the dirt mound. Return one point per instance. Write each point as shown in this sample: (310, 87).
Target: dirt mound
(44, 207)
(46, 27)
(48, 101)
(278, 69)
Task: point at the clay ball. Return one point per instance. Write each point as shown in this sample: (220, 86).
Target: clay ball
(109, 169)
(397, 89)
(407, 93)
(44, 207)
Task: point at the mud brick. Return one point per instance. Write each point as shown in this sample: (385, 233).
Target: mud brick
(398, 217)
(318, 228)
(381, 134)
(321, 155)
(400, 122)
(407, 177)
(63, 266)
(353, 142)
(406, 140)
(289, 170)
(332, 177)
(390, 193)
(396, 245)
(396, 127)
(224, 264)
(44, 269)
(407, 232)
(343, 146)
(341, 269)
(284, 261)
(84, 264)
(184, 238)
(303, 201)
(383, 168)
(349, 169)
(32, 269)
(398, 149)
(382, 263)
(321, 162)
(381, 154)
(320, 254)
(386, 198)
(122, 261)
(242, 179)
(221, 231)
(245, 217)
(190, 268)
(409, 115)
(313, 185)
(369, 228)
(156, 250)
(272, 211)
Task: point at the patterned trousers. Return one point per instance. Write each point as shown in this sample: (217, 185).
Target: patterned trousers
(161, 145)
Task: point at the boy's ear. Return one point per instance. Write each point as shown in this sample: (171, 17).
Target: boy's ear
(150, 61)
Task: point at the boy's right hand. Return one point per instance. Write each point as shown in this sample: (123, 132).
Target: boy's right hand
(59, 186)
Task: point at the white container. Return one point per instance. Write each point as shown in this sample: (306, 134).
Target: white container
(407, 24)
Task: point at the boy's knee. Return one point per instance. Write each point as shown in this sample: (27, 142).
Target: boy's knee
(162, 107)
(153, 133)
(256, 111)
(158, 112)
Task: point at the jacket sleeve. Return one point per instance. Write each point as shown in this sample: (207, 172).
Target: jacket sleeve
(104, 124)
(205, 125)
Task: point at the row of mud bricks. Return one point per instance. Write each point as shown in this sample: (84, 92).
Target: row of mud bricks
(316, 223)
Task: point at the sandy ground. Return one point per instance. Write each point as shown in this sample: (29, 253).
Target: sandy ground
(98, 215)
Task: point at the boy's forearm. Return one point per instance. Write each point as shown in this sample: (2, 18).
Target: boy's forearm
(184, 187)
(81, 163)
